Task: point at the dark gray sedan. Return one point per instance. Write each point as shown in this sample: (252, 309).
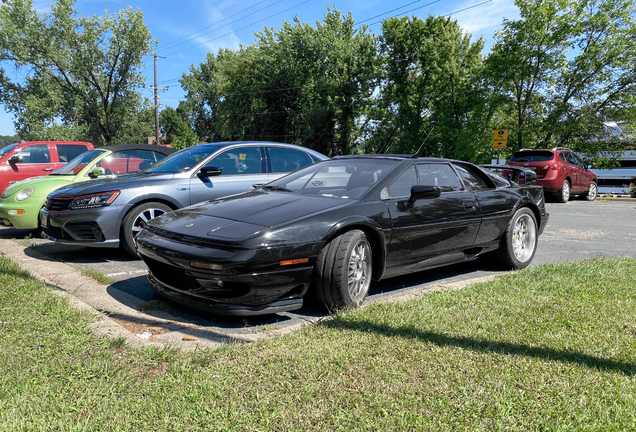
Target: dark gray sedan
(112, 212)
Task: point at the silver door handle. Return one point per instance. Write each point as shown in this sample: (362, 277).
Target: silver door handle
(47, 169)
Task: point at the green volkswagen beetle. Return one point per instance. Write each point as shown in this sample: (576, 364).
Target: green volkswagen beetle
(21, 202)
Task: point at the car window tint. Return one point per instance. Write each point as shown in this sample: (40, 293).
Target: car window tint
(567, 156)
(532, 156)
(68, 152)
(243, 160)
(286, 159)
(183, 160)
(35, 154)
(344, 178)
(441, 175)
(7, 149)
(401, 186)
(578, 160)
(471, 180)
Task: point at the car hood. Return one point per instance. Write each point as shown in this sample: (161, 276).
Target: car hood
(241, 216)
(49, 181)
(126, 181)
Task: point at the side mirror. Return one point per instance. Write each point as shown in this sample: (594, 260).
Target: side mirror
(97, 171)
(419, 192)
(15, 160)
(590, 166)
(211, 171)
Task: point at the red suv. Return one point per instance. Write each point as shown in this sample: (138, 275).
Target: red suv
(36, 158)
(560, 171)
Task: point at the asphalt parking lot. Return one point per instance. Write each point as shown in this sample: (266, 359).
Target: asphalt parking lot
(128, 308)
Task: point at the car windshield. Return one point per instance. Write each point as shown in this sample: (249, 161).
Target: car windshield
(532, 156)
(182, 160)
(344, 178)
(77, 164)
(7, 149)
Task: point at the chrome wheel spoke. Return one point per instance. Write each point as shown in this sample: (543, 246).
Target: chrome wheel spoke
(359, 269)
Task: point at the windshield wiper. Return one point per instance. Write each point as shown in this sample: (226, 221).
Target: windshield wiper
(277, 188)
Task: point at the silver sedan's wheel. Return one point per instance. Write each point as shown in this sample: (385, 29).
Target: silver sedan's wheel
(564, 193)
(519, 242)
(343, 270)
(592, 192)
(136, 220)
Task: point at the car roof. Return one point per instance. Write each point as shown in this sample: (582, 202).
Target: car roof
(148, 147)
(401, 157)
(221, 145)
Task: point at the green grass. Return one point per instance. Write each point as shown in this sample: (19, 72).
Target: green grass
(550, 348)
(98, 276)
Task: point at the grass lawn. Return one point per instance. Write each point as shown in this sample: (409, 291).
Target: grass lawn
(549, 348)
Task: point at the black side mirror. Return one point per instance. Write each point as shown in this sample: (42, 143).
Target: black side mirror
(15, 160)
(419, 192)
(211, 171)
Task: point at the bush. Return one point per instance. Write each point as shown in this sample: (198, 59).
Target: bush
(632, 190)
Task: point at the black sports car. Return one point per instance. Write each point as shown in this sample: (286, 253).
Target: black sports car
(332, 227)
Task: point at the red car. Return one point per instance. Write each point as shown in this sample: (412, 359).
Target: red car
(36, 158)
(560, 171)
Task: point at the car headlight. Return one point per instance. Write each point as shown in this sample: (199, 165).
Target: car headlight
(24, 193)
(93, 201)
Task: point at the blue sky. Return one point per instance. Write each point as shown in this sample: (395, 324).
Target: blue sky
(187, 30)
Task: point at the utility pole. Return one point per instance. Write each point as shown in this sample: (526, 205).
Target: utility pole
(156, 90)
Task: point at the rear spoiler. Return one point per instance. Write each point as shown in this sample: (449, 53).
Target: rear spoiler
(514, 173)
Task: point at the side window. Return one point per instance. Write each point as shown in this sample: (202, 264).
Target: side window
(245, 160)
(567, 156)
(68, 152)
(35, 154)
(401, 186)
(471, 180)
(286, 159)
(129, 161)
(578, 160)
(441, 175)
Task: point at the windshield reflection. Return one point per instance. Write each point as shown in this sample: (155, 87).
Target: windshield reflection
(77, 164)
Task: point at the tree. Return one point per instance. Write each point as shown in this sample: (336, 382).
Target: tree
(563, 67)
(82, 72)
(178, 132)
(299, 84)
(431, 88)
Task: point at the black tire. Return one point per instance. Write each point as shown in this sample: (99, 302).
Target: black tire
(592, 193)
(563, 195)
(134, 221)
(343, 271)
(519, 242)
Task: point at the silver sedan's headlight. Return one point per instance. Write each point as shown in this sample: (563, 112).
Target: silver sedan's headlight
(93, 201)
(24, 193)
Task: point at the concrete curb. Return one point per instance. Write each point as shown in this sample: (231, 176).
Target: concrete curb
(113, 319)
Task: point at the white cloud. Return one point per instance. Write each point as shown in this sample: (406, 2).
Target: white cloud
(487, 18)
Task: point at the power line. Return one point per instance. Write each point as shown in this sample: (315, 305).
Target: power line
(232, 22)
(393, 10)
(249, 25)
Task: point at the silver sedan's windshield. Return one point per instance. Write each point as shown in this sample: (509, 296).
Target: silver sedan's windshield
(77, 164)
(182, 160)
(344, 178)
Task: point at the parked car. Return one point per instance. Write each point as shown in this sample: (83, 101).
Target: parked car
(36, 158)
(560, 171)
(112, 212)
(21, 202)
(334, 226)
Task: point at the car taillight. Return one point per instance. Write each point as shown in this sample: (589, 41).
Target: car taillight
(551, 167)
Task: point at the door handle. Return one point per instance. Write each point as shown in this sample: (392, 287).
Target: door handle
(47, 169)
(470, 206)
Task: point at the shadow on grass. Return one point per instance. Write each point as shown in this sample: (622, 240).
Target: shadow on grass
(486, 346)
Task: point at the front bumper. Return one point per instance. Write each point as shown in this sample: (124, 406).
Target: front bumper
(27, 220)
(238, 289)
(91, 227)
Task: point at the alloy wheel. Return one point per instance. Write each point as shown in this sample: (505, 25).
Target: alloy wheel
(524, 238)
(359, 271)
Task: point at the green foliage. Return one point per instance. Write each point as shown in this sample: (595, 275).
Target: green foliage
(299, 84)
(430, 88)
(632, 190)
(83, 72)
(5, 140)
(173, 125)
(564, 67)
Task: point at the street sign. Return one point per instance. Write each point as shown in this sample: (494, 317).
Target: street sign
(500, 139)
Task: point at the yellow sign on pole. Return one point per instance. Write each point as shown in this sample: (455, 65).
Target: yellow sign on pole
(500, 139)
